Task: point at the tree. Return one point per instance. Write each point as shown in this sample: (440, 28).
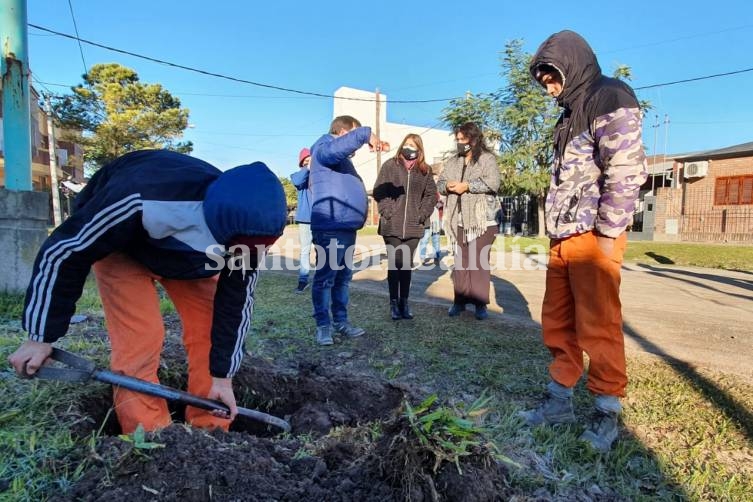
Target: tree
(115, 113)
(519, 119)
(291, 194)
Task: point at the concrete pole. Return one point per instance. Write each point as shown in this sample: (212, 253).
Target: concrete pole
(54, 188)
(16, 110)
(23, 213)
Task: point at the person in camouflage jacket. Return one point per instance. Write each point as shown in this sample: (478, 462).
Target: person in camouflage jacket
(599, 167)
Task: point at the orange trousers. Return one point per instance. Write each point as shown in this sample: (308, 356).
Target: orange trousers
(134, 324)
(582, 313)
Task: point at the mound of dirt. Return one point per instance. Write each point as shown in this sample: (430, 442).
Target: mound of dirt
(195, 465)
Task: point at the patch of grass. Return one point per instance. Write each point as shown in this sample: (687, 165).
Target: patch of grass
(684, 435)
(461, 358)
(721, 256)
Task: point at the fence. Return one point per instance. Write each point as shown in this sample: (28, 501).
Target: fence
(723, 225)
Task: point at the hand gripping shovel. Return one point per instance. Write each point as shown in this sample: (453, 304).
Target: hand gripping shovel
(82, 370)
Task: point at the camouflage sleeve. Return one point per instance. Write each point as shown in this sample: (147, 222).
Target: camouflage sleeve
(623, 162)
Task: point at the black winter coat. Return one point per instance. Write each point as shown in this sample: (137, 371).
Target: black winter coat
(405, 198)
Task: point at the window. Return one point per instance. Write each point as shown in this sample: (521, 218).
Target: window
(733, 190)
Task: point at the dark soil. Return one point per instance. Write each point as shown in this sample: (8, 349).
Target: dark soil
(342, 447)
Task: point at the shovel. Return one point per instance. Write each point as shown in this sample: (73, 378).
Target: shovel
(83, 370)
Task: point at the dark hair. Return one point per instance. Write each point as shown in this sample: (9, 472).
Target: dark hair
(475, 138)
(420, 160)
(343, 122)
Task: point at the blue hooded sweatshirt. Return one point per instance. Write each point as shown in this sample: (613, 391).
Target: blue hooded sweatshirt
(301, 181)
(339, 196)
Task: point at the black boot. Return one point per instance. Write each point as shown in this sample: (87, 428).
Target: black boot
(405, 309)
(395, 310)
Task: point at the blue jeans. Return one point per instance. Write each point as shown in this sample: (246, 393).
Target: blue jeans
(304, 237)
(424, 241)
(334, 259)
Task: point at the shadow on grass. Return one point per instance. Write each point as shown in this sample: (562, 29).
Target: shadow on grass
(726, 404)
(659, 258)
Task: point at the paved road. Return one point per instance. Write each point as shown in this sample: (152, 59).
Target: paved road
(696, 316)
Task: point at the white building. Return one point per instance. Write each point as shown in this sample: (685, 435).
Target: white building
(437, 142)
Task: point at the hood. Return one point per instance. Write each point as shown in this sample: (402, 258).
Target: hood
(245, 201)
(569, 53)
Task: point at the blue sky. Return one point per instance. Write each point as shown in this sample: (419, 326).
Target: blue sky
(410, 50)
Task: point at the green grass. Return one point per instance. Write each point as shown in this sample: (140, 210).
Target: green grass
(685, 434)
(721, 256)
(683, 254)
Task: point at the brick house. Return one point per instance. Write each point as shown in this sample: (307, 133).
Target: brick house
(710, 198)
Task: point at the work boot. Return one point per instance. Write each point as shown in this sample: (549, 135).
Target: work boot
(302, 285)
(395, 310)
(481, 312)
(455, 310)
(602, 430)
(324, 335)
(345, 329)
(405, 309)
(553, 410)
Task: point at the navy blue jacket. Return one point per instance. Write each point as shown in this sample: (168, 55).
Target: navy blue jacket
(150, 205)
(339, 197)
(301, 182)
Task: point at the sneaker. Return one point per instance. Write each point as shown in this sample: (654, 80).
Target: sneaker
(602, 430)
(481, 312)
(426, 262)
(455, 310)
(302, 285)
(345, 329)
(553, 410)
(324, 335)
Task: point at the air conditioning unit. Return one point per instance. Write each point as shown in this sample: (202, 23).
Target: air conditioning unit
(696, 169)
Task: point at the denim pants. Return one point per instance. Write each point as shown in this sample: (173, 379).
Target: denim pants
(334, 259)
(425, 240)
(304, 237)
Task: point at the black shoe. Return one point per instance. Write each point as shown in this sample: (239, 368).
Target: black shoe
(302, 285)
(481, 312)
(395, 310)
(455, 310)
(405, 309)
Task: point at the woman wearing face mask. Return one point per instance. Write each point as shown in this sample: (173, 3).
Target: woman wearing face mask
(406, 194)
(470, 180)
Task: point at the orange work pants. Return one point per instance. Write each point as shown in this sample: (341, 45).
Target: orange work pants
(581, 312)
(134, 324)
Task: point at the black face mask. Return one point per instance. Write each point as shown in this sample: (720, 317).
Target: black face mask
(409, 153)
(463, 148)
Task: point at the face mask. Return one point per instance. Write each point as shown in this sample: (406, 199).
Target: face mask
(463, 148)
(409, 153)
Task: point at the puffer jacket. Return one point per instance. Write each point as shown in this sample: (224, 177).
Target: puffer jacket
(405, 198)
(599, 163)
(339, 200)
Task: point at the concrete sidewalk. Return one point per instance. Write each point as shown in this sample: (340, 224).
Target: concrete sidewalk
(696, 316)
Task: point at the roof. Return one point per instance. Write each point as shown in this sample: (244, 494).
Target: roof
(740, 150)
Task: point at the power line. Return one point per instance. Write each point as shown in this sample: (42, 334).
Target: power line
(75, 27)
(695, 79)
(227, 77)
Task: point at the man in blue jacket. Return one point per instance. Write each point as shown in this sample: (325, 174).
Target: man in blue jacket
(338, 210)
(300, 180)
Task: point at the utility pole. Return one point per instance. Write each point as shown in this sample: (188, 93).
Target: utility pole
(16, 109)
(666, 137)
(23, 213)
(376, 132)
(53, 163)
(653, 164)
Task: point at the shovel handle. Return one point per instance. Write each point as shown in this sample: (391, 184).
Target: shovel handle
(154, 389)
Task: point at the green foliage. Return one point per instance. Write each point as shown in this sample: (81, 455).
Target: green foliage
(291, 194)
(519, 119)
(448, 433)
(138, 438)
(116, 113)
